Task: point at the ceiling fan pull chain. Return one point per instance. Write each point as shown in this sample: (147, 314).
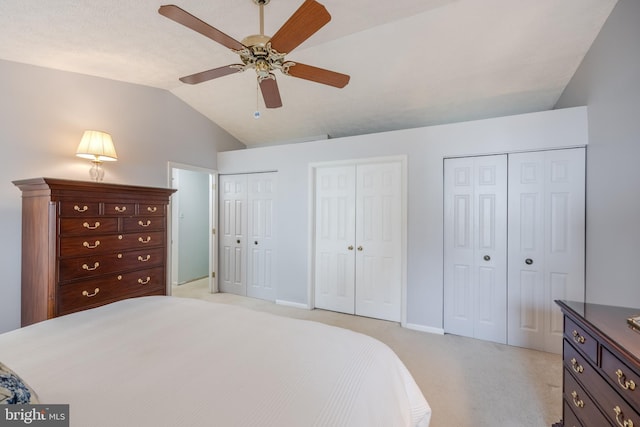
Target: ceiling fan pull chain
(256, 114)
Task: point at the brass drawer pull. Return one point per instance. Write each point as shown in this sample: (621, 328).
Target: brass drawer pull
(148, 257)
(142, 224)
(577, 337)
(91, 227)
(620, 418)
(88, 295)
(120, 209)
(578, 368)
(80, 209)
(579, 403)
(95, 267)
(147, 240)
(90, 246)
(152, 209)
(144, 282)
(627, 385)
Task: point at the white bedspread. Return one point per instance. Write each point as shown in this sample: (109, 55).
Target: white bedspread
(165, 361)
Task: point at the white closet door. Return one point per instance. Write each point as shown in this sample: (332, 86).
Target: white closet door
(546, 243)
(475, 246)
(335, 238)
(379, 240)
(233, 233)
(261, 244)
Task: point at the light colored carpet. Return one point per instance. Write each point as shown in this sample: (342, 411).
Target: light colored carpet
(467, 382)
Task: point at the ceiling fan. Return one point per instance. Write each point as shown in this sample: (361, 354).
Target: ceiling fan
(263, 53)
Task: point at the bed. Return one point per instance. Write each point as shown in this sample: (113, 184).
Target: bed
(169, 361)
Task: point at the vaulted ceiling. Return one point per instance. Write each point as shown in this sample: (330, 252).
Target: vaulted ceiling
(412, 62)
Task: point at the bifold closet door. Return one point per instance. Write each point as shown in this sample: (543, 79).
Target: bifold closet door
(247, 234)
(475, 247)
(358, 239)
(233, 233)
(261, 242)
(546, 243)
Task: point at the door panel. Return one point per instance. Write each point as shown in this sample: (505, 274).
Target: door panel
(335, 239)
(379, 240)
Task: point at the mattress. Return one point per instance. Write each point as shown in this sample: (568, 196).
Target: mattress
(168, 361)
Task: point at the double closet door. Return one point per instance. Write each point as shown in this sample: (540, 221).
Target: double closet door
(247, 235)
(514, 242)
(358, 239)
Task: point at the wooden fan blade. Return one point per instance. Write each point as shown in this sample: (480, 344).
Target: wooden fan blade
(305, 21)
(210, 74)
(270, 93)
(183, 17)
(318, 75)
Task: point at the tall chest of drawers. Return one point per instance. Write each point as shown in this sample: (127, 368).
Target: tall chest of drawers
(601, 355)
(86, 244)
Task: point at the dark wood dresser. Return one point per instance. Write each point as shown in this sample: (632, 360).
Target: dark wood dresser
(601, 356)
(86, 244)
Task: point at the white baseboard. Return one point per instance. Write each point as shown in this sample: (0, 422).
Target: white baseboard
(422, 328)
(292, 304)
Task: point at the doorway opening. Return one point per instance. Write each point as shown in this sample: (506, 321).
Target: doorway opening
(194, 242)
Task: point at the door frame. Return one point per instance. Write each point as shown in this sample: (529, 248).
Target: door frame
(403, 160)
(212, 228)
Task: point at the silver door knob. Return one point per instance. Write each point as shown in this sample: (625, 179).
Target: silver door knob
(528, 261)
(487, 258)
(359, 248)
(350, 247)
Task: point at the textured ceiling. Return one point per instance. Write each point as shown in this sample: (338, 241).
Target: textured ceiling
(412, 62)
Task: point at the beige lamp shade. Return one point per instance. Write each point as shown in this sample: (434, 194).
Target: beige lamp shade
(96, 146)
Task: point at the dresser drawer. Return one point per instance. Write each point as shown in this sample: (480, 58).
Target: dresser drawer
(576, 363)
(79, 209)
(151, 208)
(144, 223)
(120, 208)
(95, 265)
(568, 417)
(581, 339)
(85, 245)
(91, 293)
(581, 404)
(626, 380)
(88, 226)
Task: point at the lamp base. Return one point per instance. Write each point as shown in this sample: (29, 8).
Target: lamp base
(96, 172)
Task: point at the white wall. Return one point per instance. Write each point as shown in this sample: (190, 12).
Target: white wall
(43, 113)
(426, 148)
(608, 82)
